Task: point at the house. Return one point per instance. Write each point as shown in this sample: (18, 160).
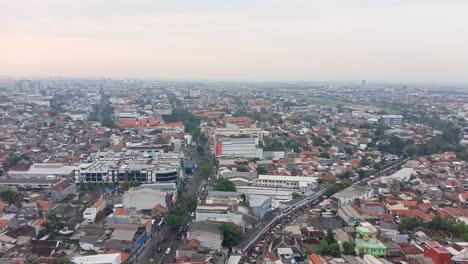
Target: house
(349, 215)
(369, 245)
(90, 213)
(438, 253)
(100, 258)
(39, 224)
(207, 233)
(351, 194)
(60, 191)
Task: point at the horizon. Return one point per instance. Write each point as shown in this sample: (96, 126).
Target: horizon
(393, 41)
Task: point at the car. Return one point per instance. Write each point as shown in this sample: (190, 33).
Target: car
(168, 251)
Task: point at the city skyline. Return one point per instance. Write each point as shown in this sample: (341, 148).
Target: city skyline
(253, 40)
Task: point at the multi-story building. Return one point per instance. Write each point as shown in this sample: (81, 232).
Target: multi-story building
(133, 170)
(438, 253)
(391, 120)
(302, 183)
(369, 245)
(237, 146)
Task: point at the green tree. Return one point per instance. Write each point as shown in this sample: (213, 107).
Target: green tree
(224, 185)
(205, 167)
(348, 151)
(438, 240)
(175, 220)
(231, 234)
(348, 248)
(324, 155)
(10, 196)
(242, 169)
(261, 169)
(295, 195)
(408, 224)
(362, 174)
(336, 188)
(190, 202)
(412, 150)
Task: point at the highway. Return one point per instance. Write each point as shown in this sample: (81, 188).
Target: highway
(282, 214)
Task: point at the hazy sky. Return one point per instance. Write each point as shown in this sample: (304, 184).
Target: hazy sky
(236, 39)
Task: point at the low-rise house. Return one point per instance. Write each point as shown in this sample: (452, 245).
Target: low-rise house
(90, 213)
(60, 191)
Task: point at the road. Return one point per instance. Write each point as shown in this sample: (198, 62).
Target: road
(281, 215)
(319, 194)
(198, 186)
(154, 249)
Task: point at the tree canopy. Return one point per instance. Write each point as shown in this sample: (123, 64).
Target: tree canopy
(224, 185)
(231, 234)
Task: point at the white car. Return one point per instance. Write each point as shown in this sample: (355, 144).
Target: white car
(168, 251)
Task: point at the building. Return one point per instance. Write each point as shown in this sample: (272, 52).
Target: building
(60, 191)
(302, 183)
(44, 171)
(260, 205)
(218, 213)
(237, 146)
(129, 170)
(349, 215)
(369, 245)
(207, 233)
(98, 259)
(370, 259)
(391, 120)
(90, 213)
(353, 193)
(147, 196)
(438, 253)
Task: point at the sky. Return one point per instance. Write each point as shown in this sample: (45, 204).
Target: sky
(414, 40)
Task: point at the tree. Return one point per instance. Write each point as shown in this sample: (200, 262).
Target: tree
(364, 162)
(231, 234)
(261, 169)
(175, 220)
(324, 155)
(224, 185)
(336, 188)
(205, 167)
(362, 174)
(348, 151)
(330, 238)
(408, 224)
(438, 240)
(348, 248)
(190, 202)
(242, 169)
(412, 150)
(10, 196)
(295, 195)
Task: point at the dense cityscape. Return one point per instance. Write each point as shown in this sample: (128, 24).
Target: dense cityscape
(141, 171)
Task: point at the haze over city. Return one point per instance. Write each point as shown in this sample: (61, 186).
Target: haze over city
(418, 40)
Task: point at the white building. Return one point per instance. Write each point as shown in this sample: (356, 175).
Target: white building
(147, 196)
(302, 183)
(237, 146)
(98, 259)
(90, 213)
(217, 213)
(391, 120)
(44, 170)
(353, 193)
